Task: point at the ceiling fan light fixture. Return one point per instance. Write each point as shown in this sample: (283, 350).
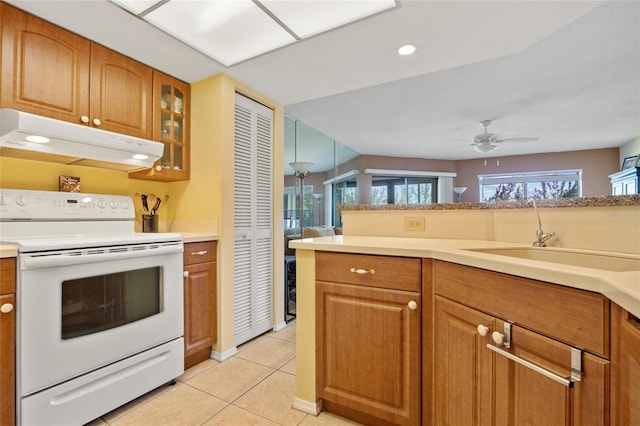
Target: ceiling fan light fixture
(484, 148)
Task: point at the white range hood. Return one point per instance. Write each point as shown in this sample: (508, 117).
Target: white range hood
(33, 137)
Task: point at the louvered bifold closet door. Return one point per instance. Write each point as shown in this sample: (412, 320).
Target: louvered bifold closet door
(253, 219)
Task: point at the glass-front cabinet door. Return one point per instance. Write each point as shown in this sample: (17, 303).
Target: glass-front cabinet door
(171, 127)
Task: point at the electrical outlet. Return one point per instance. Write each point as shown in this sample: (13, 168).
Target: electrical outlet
(414, 223)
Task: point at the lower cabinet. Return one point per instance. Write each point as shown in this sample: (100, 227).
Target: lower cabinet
(490, 371)
(475, 385)
(469, 346)
(7, 340)
(199, 301)
(368, 337)
(625, 359)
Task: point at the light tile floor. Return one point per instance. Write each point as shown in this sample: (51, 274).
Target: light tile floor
(255, 387)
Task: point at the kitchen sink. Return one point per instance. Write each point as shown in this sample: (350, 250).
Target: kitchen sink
(608, 262)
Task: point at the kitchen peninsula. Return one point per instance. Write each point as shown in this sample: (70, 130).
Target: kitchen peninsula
(442, 344)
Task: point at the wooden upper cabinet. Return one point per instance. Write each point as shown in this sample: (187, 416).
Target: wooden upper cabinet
(171, 111)
(45, 69)
(121, 93)
(49, 71)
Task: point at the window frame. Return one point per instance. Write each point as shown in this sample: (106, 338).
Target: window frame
(526, 178)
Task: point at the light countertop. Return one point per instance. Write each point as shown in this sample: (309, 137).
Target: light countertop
(8, 250)
(196, 237)
(622, 288)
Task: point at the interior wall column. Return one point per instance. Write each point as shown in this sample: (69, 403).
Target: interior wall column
(363, 181)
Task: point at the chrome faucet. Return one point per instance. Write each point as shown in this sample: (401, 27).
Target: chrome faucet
(541, 236)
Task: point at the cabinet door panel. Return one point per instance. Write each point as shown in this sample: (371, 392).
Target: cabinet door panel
(7, 361)
(121, 93)
(368, 347)
(463, 366)
(45, 69)
(625, 357)
(199, 307)
(524, 396)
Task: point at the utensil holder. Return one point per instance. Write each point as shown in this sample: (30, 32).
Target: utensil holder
(149, 223)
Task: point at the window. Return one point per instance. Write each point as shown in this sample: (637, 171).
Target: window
(292, 208)
(403, 190)
(344, 192)
(521, 186)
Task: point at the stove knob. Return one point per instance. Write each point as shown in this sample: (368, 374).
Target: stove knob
(125, 205)
(102, 204)
(4, 200)
(114, 204)
(22, 200)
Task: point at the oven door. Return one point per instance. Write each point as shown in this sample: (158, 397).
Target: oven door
(79, 310)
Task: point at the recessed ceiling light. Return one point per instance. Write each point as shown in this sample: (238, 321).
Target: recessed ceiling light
(407, 49)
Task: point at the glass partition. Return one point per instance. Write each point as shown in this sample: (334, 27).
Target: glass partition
(324, 186)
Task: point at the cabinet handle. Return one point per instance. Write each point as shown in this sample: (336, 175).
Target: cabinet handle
(412, 305)
(158, 168)
(97, 122)
(482, 330)
(576, 365)
(363, 271)
(497, 337)
(6, 308)
(199, 253)
(84, 119)
(185, 274)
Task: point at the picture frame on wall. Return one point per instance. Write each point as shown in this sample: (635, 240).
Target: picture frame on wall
(629, 162)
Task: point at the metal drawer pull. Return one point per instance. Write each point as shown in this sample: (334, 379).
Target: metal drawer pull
(576, 356)
(363, 271)
(199, 253)
(412, 305)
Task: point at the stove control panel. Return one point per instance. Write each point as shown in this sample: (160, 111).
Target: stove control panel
(22, 204)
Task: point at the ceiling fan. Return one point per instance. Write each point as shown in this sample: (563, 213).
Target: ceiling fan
(486, 142)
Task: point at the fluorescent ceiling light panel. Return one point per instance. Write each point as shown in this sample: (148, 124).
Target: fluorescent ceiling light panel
(136, 6)
(229, 31)
(310, 17)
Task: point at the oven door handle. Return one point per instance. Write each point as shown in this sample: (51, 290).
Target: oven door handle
(75, 257)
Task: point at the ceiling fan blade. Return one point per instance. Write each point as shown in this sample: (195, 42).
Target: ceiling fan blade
(503, 135)
(531, 139)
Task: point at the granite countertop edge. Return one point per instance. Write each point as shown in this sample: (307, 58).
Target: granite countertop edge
(595, 201)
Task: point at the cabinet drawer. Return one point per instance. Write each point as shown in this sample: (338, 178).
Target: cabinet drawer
(398, 273)
(199, 252)
(8, 275)
(577, 317)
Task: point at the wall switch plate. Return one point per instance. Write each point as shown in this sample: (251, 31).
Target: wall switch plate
(414, 223)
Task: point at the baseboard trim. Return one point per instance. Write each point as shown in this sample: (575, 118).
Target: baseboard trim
(221, 356)
(309, 407)
(280, 326)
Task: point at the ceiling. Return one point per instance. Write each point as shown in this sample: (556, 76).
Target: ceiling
(567, 72)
